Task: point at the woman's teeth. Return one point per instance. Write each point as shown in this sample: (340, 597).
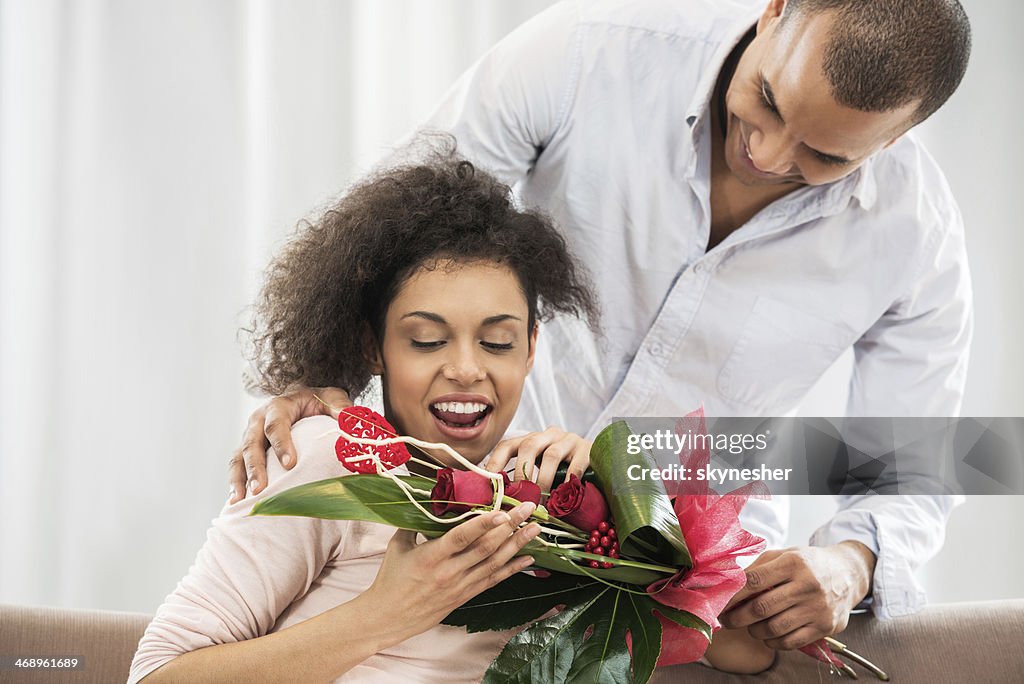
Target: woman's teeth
(459, 407)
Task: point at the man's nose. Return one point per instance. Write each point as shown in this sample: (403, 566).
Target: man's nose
(464, 367)
(772, 153)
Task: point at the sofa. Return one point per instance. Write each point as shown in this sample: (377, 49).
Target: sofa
(960, 642)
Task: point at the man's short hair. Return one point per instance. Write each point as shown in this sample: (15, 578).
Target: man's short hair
(884, 54)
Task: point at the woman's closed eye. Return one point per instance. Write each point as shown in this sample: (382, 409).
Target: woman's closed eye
(427, 344)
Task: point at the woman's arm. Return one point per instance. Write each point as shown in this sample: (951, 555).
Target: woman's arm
(319, 649)
(417, 585)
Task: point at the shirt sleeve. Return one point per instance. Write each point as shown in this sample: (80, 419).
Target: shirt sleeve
(509, 105)
(912, 362)
(251, 568)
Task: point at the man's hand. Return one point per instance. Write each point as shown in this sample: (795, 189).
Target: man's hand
(553, 446)
(799, 595)
(271, 425)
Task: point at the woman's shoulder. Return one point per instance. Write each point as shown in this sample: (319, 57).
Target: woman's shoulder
(314, 440)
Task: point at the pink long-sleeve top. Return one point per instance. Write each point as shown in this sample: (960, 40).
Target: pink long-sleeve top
(257, 575)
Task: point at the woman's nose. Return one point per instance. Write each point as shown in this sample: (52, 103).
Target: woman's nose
(464, 368)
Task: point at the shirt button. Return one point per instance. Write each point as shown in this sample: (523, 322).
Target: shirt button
(656, 349)
(700, 268)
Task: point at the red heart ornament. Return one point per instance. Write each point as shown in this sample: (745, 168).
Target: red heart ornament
(365, 423)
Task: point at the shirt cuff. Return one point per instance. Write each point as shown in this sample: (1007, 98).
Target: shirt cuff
(895, 590)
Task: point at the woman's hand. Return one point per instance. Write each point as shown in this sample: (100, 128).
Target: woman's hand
(553, 446)
(422, 583)
(271, 425)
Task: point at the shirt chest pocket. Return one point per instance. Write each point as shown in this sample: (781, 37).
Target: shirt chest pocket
(779, 354)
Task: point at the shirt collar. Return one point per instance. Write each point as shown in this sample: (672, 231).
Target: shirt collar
(706, 86)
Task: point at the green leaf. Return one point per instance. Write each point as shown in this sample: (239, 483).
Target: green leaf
(641, 508)
(586, 642)
(355, 497)
(518, 600)
(550, 558)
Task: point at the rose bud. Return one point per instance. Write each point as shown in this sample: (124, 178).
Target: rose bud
(457, 491)
(523, 491)
(578, 503)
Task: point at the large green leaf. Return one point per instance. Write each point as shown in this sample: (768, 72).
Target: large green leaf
(518, 600)
(643, 513)
(355, 497)
(585, 643)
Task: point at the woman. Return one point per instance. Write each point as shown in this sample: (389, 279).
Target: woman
(427, 276)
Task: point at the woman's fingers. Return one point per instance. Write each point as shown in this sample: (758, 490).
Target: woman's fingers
(502, 454)
(480, 536)
(580, 459)
(530, 449)
(497, 564)
(553, 456)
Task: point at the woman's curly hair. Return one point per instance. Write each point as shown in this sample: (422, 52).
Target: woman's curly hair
(341, 272)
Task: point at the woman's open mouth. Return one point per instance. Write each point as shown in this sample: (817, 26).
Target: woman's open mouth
(460, 419)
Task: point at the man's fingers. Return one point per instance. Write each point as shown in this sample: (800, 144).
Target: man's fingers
(782, 624)
(236, 477)
(763, 574)
(254, 454)
(795, 639)
(282, 413)
(334, 398)
(762, 606)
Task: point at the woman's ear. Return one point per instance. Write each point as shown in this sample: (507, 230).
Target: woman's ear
(533, 347)
(371, 350)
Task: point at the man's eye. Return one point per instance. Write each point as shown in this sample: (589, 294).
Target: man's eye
(495, 346)
(828, 160)
(420, 344)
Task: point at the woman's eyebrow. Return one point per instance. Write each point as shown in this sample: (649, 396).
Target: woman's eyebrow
(491, 320)
(430, 316)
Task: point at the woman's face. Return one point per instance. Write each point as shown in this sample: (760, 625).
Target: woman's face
(455, 354)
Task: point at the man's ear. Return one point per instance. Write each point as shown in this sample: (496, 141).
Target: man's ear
(533, 347)
(889, 144)
(772, 12)
(371, 350)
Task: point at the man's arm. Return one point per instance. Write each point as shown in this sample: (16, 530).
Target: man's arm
(911, 363)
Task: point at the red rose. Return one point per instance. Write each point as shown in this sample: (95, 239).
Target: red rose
(523, 490)
(578, 503)
(457, 491)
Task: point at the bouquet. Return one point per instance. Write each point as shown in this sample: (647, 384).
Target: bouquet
(627, 575)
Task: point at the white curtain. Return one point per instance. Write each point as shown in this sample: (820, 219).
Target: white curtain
(153, 152)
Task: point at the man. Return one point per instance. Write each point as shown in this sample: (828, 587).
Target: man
(743, 189)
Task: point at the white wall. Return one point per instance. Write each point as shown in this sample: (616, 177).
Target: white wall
(151, 156)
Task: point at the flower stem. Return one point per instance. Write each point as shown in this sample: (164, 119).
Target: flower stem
(625, 562)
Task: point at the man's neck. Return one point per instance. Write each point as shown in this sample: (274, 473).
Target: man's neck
(732, 202)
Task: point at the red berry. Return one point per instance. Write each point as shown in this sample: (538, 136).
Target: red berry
(613, 553)
(611, 533)
(607, 565)
(603, 526)
(588, 548)
(606, 541)
(615, 545)
(599, 550)
(595, 565)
